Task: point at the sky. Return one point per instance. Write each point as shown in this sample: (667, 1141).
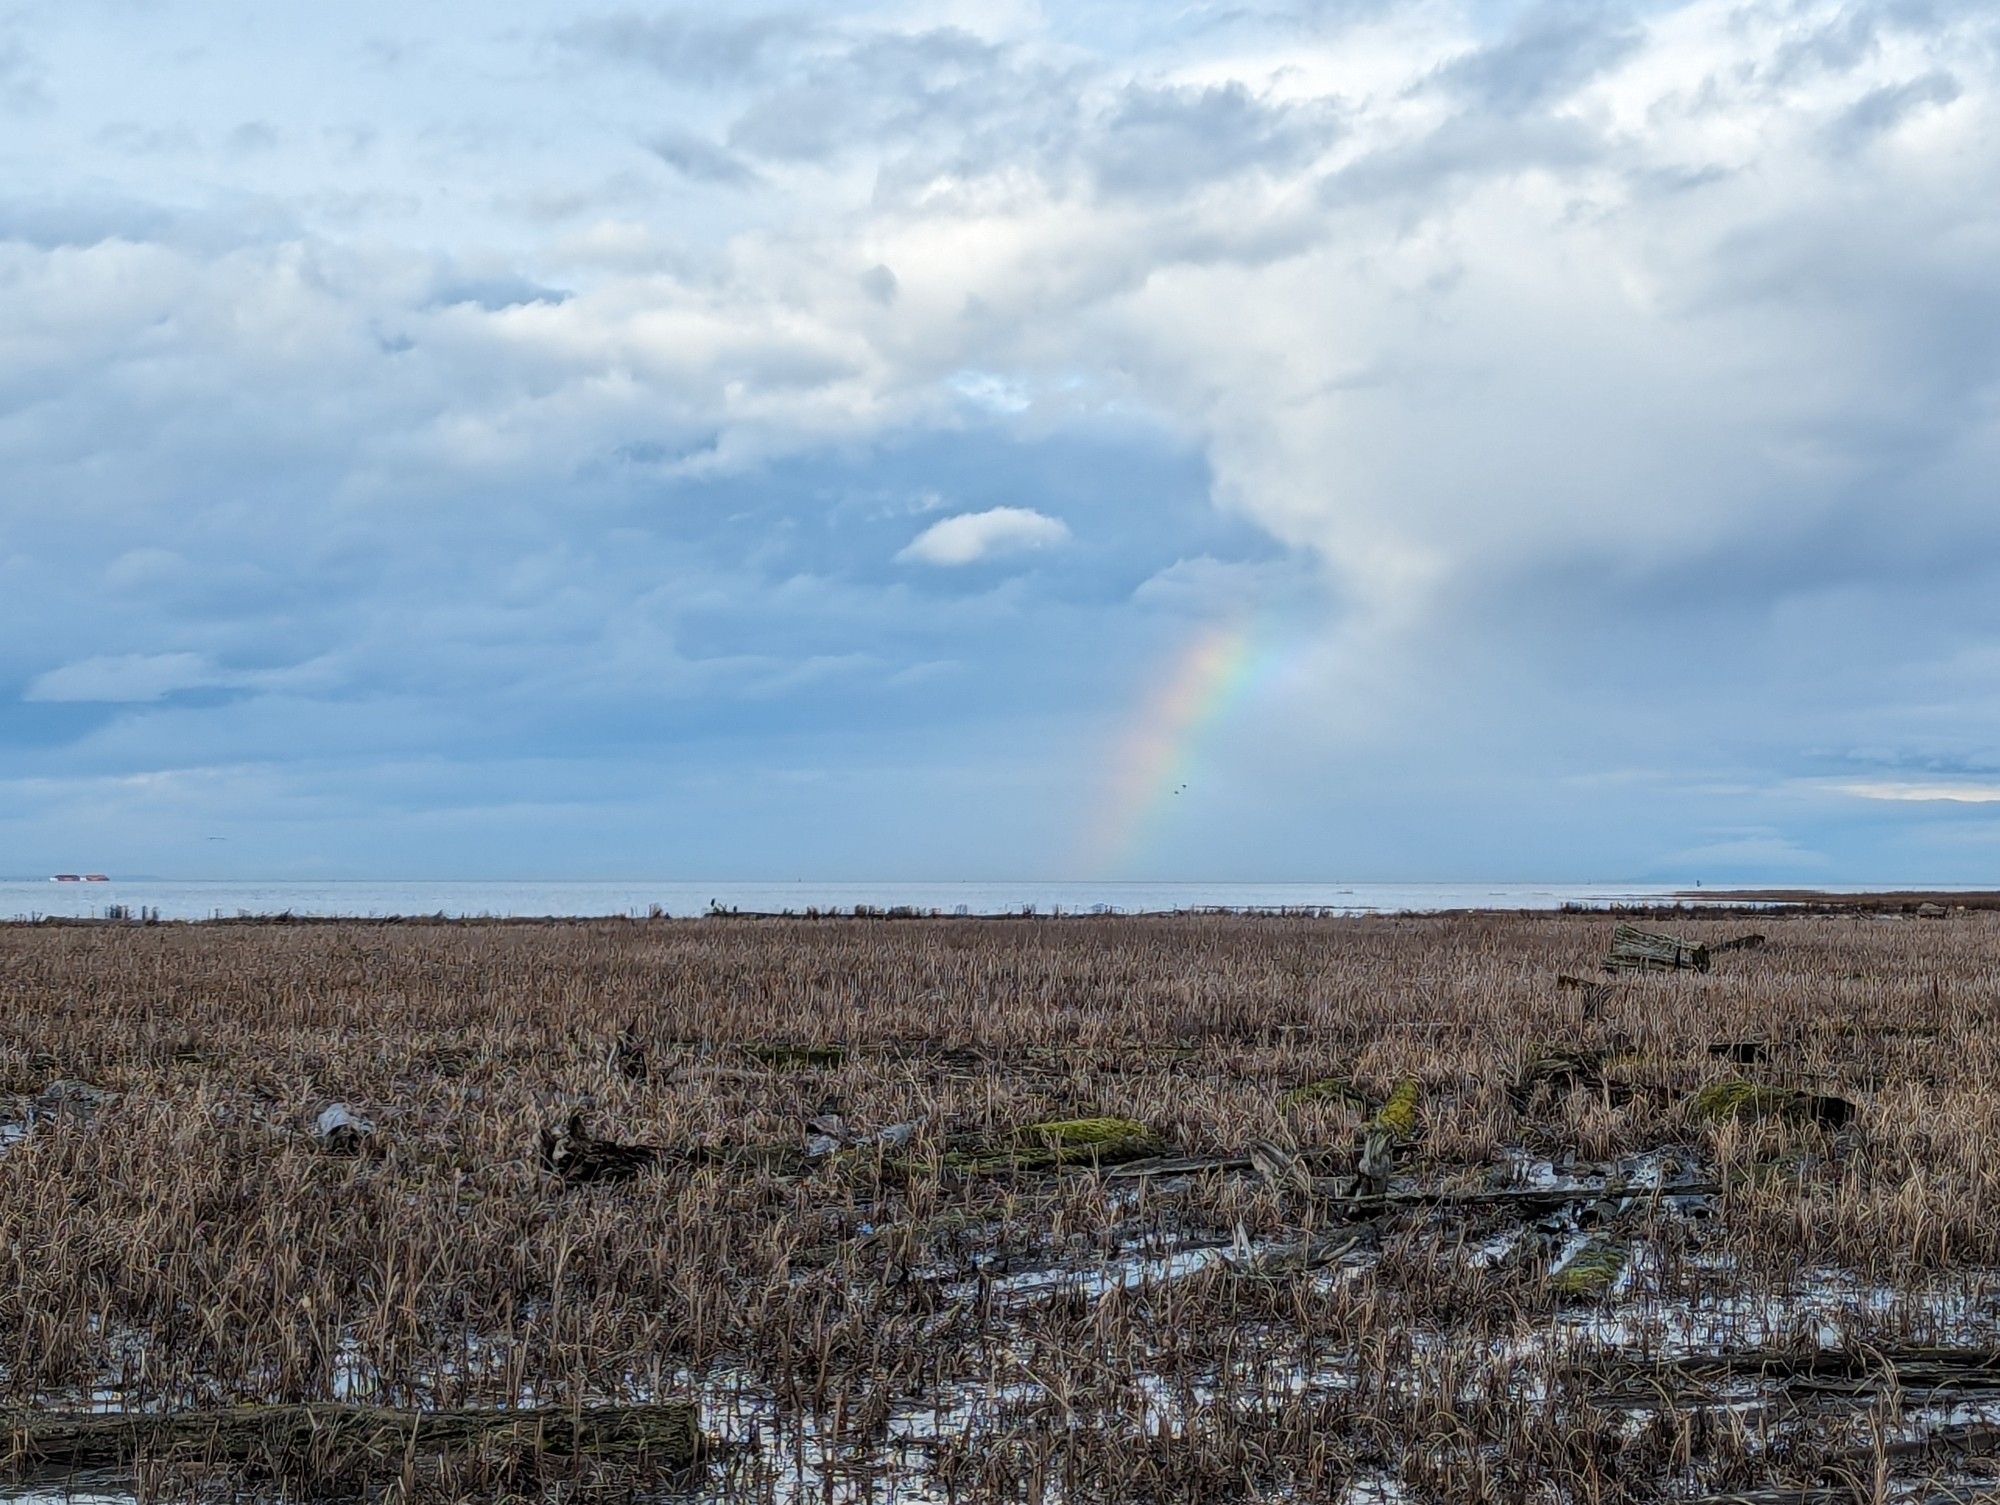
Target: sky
(1250, 440)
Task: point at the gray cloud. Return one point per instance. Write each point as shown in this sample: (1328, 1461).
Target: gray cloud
(693, 48)
(1161, 139)
(252, 136)
(695, 156)
(23, 84)
(940, 96)
(493, 293)
(1463, 152)
(1552, 49)
(1882, 110)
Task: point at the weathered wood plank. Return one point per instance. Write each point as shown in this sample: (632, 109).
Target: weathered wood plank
(1636, 950)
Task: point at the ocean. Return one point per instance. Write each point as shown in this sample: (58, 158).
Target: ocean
(201, 899)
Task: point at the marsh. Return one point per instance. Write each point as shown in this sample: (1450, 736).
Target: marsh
(1595, 1266)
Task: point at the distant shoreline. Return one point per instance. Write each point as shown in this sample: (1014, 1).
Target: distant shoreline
(477, 903)
(1697, 904)
(1819, 900)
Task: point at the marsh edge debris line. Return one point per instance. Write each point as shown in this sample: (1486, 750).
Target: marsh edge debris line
(338, 1442)
(1189, 1209)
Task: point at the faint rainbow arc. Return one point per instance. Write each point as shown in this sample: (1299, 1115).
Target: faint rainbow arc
(1157, 754)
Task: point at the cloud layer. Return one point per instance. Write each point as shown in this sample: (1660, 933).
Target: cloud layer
(1587, 414)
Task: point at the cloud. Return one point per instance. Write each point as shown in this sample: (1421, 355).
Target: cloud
(137, 678)
(23, 85)
(1495, 366)
(1882, 110)
(1932, 793)
(1156, 139)
(491, 290)
(1551, 50)
(972, 536)
(690, 48)
(695, 156)
(122, 677)
(1227, 588)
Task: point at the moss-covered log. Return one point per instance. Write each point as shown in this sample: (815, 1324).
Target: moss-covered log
(1591, 1273)
(1733, 1097)
(1061, 1142)
(797, 1056)
(330, 1440)
(1398, 1115)
(1325, 1090)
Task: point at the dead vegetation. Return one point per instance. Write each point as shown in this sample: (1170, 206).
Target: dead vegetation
(1177, 1209)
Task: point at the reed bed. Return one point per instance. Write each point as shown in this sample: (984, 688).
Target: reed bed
(896, 1321)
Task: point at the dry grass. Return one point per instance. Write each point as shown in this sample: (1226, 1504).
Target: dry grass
(875, 1318)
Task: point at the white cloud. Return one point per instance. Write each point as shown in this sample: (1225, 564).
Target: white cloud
(1950, 794)
(972, 536)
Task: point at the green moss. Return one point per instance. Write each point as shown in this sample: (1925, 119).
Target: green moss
(1325, 1090)
(1725, 1099)
(1733, 1097)
(798, 1055)
(1085, 1133)
(1060, 1142)
(1398, 1116)
(1630, 1063)
(1590, 1273)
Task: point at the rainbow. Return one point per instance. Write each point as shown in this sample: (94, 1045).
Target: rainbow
(1158, 754)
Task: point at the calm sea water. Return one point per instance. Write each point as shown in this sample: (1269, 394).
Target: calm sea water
(182, 899)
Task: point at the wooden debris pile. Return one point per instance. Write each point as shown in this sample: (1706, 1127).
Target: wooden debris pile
(580, 1158)
(1636, 950)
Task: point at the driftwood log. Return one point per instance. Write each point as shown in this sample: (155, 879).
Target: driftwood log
(1919, 1373)
(1524, 1199)
(331, 1440)
(1636, 950)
